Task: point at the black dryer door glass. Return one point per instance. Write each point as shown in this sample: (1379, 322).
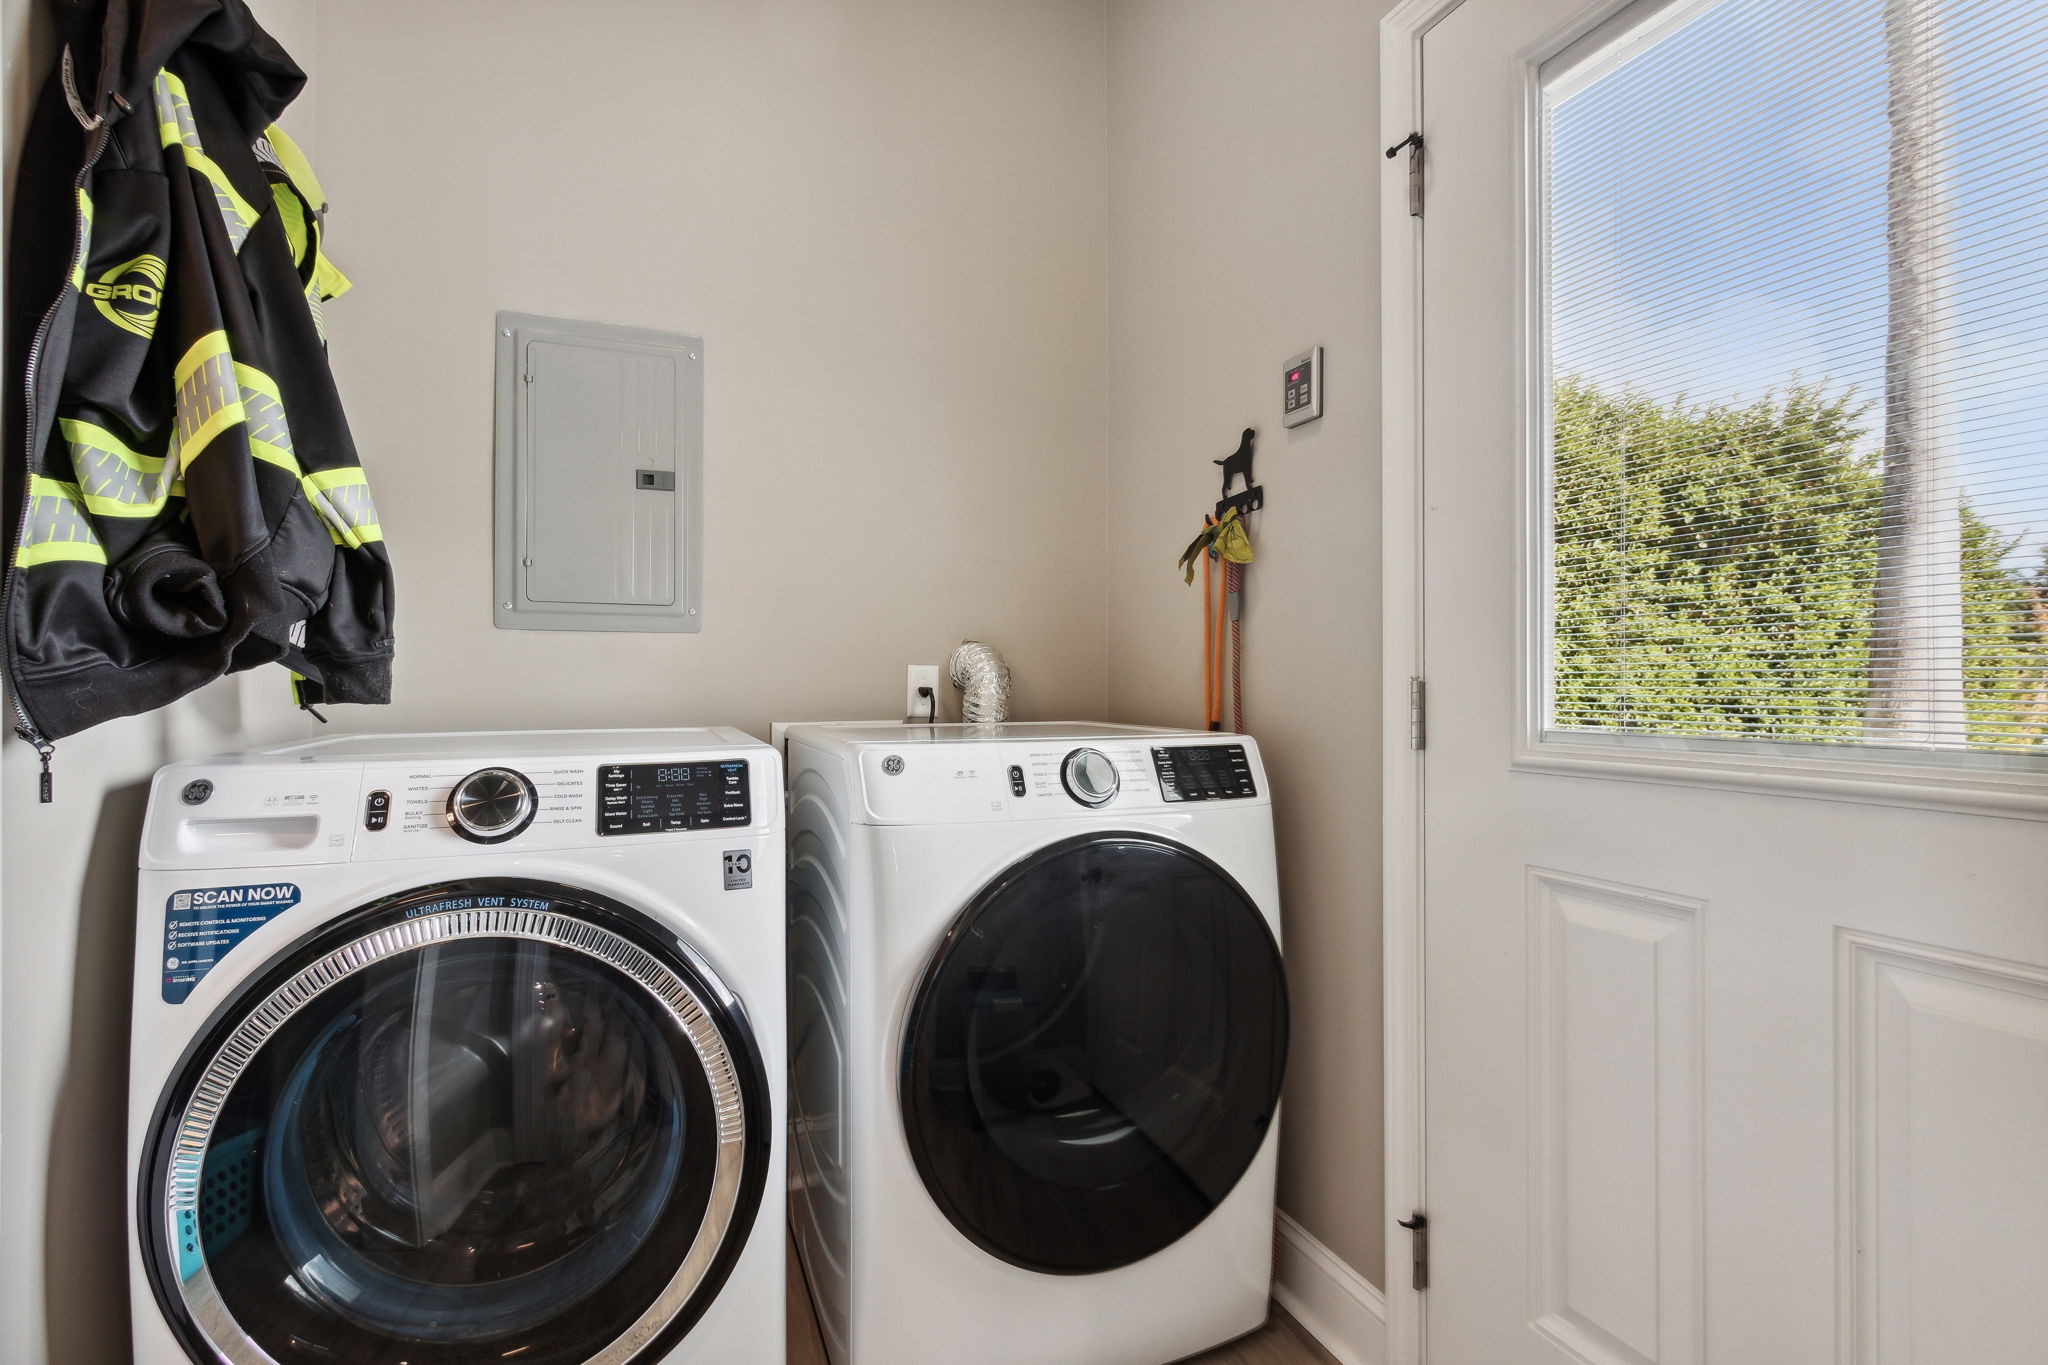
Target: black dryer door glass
(487, 1122)
(1094, 1054)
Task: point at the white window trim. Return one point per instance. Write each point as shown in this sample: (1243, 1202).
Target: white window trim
(1977, 783)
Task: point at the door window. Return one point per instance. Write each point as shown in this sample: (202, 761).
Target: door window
(1795, 313)
(1095, 1053)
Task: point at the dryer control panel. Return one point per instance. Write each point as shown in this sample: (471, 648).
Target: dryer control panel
(956, 783)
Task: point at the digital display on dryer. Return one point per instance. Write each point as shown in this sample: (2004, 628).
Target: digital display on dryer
(651, 798)
(1204, 772)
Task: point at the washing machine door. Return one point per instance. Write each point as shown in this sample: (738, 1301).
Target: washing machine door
(1094, 1053)
(488, 1121)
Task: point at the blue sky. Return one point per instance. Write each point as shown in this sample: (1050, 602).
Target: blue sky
(1718, 223)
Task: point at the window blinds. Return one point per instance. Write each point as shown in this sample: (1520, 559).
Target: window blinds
(1796, 317)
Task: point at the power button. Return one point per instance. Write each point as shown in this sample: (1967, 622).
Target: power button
(377, 810)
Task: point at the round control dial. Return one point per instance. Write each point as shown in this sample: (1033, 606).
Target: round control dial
(491, 805)
(1090, 777)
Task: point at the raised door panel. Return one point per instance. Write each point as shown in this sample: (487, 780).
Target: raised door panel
(1615, 1121)
(1945, 1134)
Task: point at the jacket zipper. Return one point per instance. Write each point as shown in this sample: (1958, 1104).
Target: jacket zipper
(26, 726)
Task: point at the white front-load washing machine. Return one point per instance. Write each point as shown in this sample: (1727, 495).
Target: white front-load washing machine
(1038, 1028)
(461, 1048)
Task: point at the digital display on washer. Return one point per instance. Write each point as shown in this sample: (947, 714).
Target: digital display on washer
(648, 798)
(1206, 772)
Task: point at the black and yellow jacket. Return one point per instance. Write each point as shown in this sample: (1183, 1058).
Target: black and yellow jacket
(190, 503)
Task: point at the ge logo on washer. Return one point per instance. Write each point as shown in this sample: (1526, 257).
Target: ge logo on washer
(739, 869)
(893, 765)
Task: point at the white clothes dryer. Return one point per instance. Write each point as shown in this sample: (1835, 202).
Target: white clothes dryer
(1038, 1029)
(454, 1049)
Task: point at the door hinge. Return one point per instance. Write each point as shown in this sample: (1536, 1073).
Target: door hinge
(1413, 142)
(1418, 714)
(1418, 1243)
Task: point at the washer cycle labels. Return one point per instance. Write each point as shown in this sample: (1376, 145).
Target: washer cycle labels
(202, 925)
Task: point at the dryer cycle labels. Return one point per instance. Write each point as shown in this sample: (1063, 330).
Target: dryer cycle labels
(203, 925)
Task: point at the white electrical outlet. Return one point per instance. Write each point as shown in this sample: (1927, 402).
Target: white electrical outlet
(914, 706)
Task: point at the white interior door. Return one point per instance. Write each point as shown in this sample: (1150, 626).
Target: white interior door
(1735, 1000)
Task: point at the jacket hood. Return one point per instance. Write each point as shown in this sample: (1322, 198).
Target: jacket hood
(118, 46)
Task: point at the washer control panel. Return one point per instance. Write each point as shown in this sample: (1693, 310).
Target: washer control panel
(648, 798)
(288, 808)
(1204, 772)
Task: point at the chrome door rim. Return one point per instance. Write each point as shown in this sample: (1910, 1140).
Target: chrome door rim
(194, 1131)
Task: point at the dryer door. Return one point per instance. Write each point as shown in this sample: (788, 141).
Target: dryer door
(1094, 1053)
(486, 1121)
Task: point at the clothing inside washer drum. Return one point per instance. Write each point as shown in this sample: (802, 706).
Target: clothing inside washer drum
(442, 1165)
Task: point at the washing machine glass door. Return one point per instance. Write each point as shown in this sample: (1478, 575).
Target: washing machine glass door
(495, 1121)
(1094, 1054)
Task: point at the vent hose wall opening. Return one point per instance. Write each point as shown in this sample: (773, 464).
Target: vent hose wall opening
(983, 678)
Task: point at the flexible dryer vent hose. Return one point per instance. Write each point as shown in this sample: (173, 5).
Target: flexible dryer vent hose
(984, 682)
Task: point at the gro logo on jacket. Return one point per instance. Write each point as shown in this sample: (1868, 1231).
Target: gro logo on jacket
(128, 295)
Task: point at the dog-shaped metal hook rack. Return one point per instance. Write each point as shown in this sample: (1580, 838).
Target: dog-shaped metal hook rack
(1238, 465)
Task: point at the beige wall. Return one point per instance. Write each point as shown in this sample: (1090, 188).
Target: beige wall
(1243, 183)
(887, 219)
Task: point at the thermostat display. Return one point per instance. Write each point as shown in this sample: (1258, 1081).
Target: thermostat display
(1303, 388)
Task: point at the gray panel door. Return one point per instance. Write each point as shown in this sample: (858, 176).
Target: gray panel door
(600, 441)
(597, 416)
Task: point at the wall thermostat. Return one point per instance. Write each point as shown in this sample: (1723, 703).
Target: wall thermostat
(1304, 388)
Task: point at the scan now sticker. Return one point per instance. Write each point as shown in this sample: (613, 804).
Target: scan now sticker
(202, 925)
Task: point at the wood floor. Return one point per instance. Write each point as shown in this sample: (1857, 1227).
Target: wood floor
(1280, 1342)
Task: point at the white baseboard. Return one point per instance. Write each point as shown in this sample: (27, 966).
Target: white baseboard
(1334, 1303)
